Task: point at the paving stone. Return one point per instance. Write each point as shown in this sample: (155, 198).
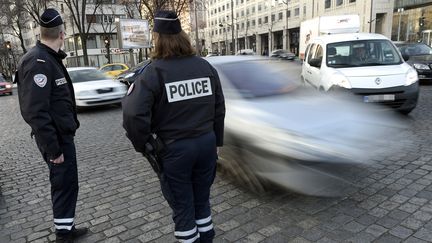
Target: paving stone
(376, 230)
(401, 232)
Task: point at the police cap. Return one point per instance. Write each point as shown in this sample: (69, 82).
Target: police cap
(166, 22)
(50, 18)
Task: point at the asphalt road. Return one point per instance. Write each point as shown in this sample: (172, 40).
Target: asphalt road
(120, 198)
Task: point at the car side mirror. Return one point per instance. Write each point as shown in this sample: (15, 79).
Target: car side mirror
(315, 62)
(405, 57)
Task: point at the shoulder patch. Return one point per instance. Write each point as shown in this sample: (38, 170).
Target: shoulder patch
(40, 80)
(130, 89)
(40, 60)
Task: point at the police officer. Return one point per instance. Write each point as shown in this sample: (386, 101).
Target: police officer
(47, 103)
(179, 99)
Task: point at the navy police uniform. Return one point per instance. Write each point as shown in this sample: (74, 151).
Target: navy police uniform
(180, 99)
(47, 104)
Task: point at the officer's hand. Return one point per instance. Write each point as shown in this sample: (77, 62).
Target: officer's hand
(59, 160)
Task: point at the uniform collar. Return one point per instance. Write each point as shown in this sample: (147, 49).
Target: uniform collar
(59, 55)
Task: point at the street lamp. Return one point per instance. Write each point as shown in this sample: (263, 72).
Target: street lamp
(226, 38)
(107, 46)
(400, 11)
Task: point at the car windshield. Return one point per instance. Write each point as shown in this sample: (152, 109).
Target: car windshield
(415, 49)
(362, 53)
(86, 75)
(258, 78)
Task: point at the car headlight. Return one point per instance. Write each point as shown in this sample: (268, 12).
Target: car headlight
(411, 77)
(129, 75)
(421, 66)
(8, 86)
(84, 93)
(340, 80)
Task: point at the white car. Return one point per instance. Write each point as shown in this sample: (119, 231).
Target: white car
(364, 64)
(93, 88)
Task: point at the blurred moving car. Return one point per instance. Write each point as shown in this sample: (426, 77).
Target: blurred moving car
(5, 87)
(283, 54)
(130, 75)
(277, 131)
(114, 69)
(93, 88)
(419, 56)
(245, 52)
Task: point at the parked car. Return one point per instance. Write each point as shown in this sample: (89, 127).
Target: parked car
(130, 75)
(419, 56)
(283, 54)
(5, 87)
(277, 131)
(94, 88)
(114, 69)
(246, 52)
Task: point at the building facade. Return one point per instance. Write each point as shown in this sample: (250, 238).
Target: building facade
(103, 25)
(264, 25)
(412, 21)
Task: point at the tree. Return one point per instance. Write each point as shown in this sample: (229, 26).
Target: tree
(77, 9)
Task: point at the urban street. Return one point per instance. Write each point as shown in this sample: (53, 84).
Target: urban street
(120, 198)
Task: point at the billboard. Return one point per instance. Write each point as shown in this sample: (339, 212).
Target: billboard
(134, 33)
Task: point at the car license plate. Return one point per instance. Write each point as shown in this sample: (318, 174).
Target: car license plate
(378, 98)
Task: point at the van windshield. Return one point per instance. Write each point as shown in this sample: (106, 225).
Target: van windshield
(362, 53)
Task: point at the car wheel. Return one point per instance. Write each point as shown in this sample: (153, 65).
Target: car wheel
(234, 165)
(405, 112)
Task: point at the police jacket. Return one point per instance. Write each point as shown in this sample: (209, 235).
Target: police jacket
(175, 98)
(46, 97)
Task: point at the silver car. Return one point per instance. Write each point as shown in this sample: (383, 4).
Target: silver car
(279, 132)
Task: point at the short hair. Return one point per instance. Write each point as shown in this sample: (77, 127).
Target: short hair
(51, 33)
(167, 45)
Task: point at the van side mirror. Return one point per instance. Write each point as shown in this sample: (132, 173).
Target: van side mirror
(405, 57)
(315, 62)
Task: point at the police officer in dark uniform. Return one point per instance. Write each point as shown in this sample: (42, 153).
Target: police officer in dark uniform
(47, 103)
(178, 101)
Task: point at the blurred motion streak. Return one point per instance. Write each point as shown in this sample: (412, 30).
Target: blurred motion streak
(279, 132)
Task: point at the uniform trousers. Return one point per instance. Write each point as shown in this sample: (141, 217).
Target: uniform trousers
(189, 167)
(64, 185)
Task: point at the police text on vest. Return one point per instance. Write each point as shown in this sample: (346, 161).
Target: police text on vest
(188, 89)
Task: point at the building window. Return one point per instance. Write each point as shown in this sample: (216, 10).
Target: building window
(297, 12)
(253, 9)
(265, 19)
(289, 13)
(352, 1)
(259, 21)
(339, 2)
(273, 17)
(253, 22)
(242, 13)
(327, 4)
(259, 7)
(304, 10)
(223, 8)
(280, 16)
(242, 25)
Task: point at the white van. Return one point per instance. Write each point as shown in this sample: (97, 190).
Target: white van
(368, 65)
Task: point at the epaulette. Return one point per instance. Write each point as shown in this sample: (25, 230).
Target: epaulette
(40, 60)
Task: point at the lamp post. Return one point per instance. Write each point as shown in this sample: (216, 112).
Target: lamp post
(233, 51)
(226, 38)
(400, 11)
(107, 46)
